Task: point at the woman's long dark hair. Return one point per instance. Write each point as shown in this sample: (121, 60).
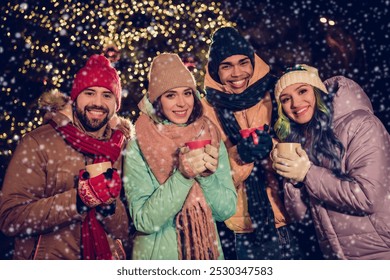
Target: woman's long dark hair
(317, 136)
(196, 112)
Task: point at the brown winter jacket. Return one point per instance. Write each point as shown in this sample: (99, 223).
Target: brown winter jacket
(255, 116)
(38, 199)
(352, 219)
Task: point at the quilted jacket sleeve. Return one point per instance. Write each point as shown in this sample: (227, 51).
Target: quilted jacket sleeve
(26, 208)
(219, 190)
(151, 205)
(367, 162)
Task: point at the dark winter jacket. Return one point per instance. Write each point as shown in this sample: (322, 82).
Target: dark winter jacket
(352, 219)
(38, 199)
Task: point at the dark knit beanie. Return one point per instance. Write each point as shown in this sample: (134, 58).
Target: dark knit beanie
(97, 72)
(226, 41)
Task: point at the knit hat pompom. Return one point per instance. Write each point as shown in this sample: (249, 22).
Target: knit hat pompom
(300, 73)
(167, 71)
(97, 72)
(227, 41)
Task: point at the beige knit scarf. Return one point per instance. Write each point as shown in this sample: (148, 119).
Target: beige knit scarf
(160, 144)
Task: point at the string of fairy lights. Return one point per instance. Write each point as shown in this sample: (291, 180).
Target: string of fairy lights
(50, 41)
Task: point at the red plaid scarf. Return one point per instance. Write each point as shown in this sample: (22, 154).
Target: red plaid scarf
(94, 238)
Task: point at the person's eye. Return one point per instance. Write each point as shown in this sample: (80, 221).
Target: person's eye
(284, 100)
(89, 93)
(108, 95)
(245, 62)
(224, 67)
(169, 95)
(188, 93)
(303, 91)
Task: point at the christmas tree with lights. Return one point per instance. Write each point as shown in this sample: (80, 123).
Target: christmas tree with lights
(44, 43)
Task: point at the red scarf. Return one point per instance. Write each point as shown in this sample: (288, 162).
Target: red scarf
(94, 238)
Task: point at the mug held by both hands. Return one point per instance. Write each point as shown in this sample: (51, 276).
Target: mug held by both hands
(96, 169)
(290, 161)
(210, 154)
(191, 163)
(200, 157)
(100, 189)
(288, 150)
(197, 144)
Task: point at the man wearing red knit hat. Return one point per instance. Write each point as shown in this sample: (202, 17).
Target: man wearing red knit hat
(61, 193)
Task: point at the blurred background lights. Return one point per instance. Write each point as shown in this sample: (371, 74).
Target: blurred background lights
(52, 40)
(328, 21)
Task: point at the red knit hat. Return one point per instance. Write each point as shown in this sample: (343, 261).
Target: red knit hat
(97, 72)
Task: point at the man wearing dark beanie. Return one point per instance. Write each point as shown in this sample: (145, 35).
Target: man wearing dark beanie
(238, 84)
(55, 204)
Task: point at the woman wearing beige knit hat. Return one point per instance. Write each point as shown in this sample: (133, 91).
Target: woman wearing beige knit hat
(341, 174)
(176, 192)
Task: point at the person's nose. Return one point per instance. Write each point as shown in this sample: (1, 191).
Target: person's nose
(295, 101)
(97, 100)
(236, 71)
(180, 102)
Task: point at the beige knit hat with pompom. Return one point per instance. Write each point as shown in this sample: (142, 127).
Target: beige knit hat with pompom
(300, 73)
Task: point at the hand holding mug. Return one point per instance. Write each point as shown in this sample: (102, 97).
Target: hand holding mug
(291, 166)
(191, 163)
(211, 158)
(96, 187)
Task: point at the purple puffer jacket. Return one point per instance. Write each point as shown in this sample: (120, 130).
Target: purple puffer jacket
(352, 219)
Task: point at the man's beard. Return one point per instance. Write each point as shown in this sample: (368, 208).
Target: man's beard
(92, 125)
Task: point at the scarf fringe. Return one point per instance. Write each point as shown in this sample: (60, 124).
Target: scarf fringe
(196, 234)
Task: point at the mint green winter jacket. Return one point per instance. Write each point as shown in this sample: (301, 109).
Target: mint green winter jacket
(153, 207)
